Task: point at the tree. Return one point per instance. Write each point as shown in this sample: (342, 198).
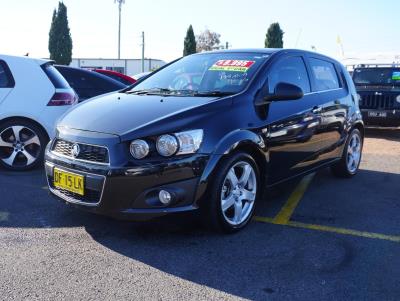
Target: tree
(207, 41)
(274, 36)
(189, 45)
(60, 41)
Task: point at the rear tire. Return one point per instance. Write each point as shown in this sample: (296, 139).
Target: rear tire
(348, 165)
(232, 196)
(22, 145)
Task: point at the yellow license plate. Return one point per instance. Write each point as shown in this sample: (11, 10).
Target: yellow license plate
(69, 181)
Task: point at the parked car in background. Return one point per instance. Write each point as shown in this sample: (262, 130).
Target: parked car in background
(125, 79)
(87, 83)
(33, 95)
(378, 87)
(254, 119)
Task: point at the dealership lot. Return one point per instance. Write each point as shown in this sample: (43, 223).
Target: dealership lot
(315, 238)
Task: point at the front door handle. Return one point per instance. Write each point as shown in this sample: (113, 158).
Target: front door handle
(316, 110)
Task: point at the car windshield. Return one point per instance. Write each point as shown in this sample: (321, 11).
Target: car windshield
(377, 76)
(203, 75)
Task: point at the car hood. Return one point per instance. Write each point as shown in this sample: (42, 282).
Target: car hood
(120, 113)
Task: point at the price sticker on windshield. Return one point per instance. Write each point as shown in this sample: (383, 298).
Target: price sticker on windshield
(396, 75)
(232, 65)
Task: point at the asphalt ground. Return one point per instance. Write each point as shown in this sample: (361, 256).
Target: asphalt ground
(316, 238)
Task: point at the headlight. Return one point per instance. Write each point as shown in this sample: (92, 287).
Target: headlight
(398, 98)
(179, 143)
(167, 145)
(189, 142)
(139, 149)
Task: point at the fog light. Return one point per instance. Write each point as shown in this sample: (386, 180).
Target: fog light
(165, 197)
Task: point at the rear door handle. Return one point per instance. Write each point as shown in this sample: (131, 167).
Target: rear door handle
(316, 110)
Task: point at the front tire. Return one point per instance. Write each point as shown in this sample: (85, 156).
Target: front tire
(348, 165)
(22, 145)
(233, 194)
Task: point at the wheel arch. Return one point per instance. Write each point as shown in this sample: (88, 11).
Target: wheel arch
(27, 120)
(238, 141)
(359, 125)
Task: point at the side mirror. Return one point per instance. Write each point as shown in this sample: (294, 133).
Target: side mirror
(283, 91)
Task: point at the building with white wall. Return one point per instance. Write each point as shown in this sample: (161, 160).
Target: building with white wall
(126, 66)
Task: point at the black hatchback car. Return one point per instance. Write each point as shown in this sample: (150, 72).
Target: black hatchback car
(87, 83)
(208, 131)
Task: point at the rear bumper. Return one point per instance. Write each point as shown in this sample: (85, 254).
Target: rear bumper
(392, 118)
(131, 193)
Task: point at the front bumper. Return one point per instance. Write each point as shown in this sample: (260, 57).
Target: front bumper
(131, 192)
(392, 118)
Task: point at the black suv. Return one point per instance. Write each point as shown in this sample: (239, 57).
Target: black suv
(378, 87)
(208, 131)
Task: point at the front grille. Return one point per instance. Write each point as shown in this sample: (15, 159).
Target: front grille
(90, 197)
(91, 153)
(378, 102)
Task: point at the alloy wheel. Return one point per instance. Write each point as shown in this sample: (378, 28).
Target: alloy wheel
(353, 153)
(19, 146)
(238, 193)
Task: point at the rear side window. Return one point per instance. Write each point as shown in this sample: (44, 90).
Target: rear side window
(6, 79)
(290, 70)
(55, 77)
(104, 83)
(325, 75)
(78, 79)
(119, 79)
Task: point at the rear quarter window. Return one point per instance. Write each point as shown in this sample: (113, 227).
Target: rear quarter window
(6, 79)
(324, 73)
(55, 77)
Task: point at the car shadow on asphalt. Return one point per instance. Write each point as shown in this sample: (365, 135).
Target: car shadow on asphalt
(392, 134)
(258, 262)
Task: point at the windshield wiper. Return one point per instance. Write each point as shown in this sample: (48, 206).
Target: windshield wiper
(183, 92)
(212, 93)
(151, 91)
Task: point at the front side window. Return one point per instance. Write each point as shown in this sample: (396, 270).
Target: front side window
(5, 78)
(291, 70)
(325, 75)
(204, 74)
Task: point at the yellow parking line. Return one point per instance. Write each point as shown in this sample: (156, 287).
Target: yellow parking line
(283, 217)
(331, 229)
(4, 216)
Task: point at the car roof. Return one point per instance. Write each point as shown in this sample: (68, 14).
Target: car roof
(39, 61)
(243, 50)
(270, 51)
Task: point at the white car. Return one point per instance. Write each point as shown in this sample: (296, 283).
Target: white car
(33, 96)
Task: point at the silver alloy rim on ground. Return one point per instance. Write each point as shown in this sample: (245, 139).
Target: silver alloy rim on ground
(238, 193)
(19, 146)
(353, 153)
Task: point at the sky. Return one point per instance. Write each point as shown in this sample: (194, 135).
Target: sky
(363, 26)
